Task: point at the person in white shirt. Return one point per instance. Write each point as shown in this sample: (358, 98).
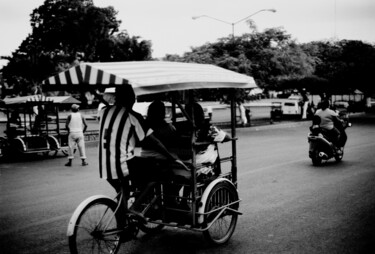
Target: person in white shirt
(76, 126)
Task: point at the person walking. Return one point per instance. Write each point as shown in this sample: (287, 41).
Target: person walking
(76, 126)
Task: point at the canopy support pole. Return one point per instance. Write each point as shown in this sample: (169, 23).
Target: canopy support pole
(234, 139)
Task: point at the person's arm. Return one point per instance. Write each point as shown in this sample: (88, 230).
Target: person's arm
(158, 146)
(337, 122)
(84, 123)
(67, 122)
(218, 135)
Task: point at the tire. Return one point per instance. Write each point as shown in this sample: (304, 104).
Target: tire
(153, 211)
(316, 160)
(222, 229)
(89, 222)
(338, 157)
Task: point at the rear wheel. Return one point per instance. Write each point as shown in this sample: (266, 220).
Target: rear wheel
(316, 160)
(222, 194)
(96, 228)
(338, 157)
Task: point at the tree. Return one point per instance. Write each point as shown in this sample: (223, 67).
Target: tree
(345, 65)
(271, 57)
(65, 32)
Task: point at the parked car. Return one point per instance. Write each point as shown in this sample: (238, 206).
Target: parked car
(341, 105)
(291, 107)
(295, 97)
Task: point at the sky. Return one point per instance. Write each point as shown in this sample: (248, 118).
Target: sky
(168, 24)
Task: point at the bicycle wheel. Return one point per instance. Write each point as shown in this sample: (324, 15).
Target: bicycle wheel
(222, 194)
(151, 209)
(94, 227)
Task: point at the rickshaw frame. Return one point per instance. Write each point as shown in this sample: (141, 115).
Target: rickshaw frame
(32, 136)
(212, 199)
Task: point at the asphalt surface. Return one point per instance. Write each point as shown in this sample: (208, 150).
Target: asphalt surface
(288, 205)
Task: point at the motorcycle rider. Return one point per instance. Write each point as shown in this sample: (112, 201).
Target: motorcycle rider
(331, 125)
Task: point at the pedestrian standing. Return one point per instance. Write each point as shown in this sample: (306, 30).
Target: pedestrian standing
(76, 126)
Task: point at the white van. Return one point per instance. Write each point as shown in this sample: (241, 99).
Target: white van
(291, 107)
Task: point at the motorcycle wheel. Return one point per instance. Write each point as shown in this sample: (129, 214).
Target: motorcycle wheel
(316, 160)
(338, 157)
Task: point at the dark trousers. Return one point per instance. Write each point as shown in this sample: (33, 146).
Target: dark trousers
(337, 137)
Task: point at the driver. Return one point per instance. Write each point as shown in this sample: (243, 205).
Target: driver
(120, 129)
(329, 121)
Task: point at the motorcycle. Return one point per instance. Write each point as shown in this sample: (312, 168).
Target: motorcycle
(320, 146)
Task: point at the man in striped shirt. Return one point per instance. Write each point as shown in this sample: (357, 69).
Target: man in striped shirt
(120, 130)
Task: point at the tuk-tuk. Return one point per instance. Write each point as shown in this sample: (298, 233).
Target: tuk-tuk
(33, 125)
(96, 225)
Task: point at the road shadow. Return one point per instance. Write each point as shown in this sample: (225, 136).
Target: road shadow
(173, 240)
(15, 158)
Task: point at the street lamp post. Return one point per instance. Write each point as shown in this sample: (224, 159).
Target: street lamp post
(242, 112)
(232, 23)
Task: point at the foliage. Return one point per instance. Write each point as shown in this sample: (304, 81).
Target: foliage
(65, 32)
(345, 65)
(270, 57)
(278, 62)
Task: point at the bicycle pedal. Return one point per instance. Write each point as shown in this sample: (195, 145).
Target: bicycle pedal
(137, 218)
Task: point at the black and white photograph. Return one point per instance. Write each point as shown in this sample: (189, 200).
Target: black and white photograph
(190, 127)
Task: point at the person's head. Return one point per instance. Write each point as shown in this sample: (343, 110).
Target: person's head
(324, 104)
(75, 108)
(125, 96)
(198, 113)
(156, 111)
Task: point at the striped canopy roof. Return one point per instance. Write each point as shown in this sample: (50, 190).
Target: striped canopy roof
(147, 77)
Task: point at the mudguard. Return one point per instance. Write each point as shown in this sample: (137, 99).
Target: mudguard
(205, 196)
(79, 210)
(319, 143)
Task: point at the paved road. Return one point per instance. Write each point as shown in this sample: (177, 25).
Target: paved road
(289, 206)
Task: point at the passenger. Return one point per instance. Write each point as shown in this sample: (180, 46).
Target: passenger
(163, 130)
(205, 132)
(206, 154)
(167, 134)
(120, 129)
(329, 122)
(15, 119)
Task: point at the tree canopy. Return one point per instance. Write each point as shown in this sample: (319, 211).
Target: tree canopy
(276, 61)
(65, 32)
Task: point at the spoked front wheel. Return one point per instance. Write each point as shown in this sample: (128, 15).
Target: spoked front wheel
(220, 214)
(95, 227)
